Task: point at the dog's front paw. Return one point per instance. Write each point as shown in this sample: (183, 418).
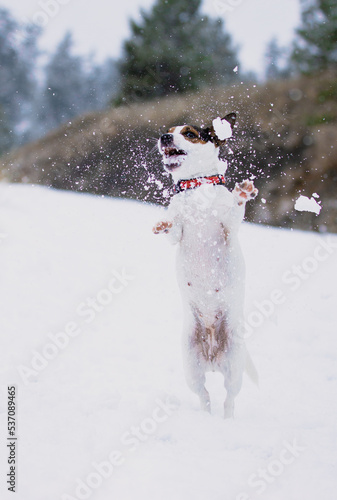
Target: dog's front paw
(162, 227)
(245, 191)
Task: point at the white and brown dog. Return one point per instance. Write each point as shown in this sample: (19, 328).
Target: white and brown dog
(204, 218)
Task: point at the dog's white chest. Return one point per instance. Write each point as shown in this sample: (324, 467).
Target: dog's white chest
(208, 254)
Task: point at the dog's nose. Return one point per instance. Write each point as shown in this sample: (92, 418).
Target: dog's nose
(166, 139)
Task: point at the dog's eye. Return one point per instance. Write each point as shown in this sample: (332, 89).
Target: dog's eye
(190, 135)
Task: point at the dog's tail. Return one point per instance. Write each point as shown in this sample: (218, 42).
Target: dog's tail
(251, 370)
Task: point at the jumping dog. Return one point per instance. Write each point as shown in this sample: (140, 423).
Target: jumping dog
(204, 219)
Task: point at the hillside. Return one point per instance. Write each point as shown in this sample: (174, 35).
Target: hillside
(286, 136)
(104, 364)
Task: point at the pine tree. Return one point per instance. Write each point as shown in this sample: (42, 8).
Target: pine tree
(6, 138)
(64, 87)
(18, 52)
(74, 85)
(101, 84)
(316, 49)
(175, 49)
(277, 64)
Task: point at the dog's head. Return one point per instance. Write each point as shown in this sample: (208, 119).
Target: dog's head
(189, 151)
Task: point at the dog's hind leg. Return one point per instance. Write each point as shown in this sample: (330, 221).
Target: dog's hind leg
(195, 360)
(233, 372)
(195, 378)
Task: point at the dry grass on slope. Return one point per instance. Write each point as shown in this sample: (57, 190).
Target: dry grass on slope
(286, 136)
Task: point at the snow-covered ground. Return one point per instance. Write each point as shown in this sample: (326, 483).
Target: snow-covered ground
(90, 336)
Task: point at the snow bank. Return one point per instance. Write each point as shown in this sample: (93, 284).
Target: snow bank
(90, 303)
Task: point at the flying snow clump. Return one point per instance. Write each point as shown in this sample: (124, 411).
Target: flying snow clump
(222, 128)
(304, 204)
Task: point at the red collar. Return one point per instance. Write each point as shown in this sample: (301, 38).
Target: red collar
(183, 185)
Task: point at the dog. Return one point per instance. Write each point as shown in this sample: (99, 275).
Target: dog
(204, 218)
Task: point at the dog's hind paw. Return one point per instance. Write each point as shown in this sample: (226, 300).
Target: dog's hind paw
(245, 191)
(162, 227)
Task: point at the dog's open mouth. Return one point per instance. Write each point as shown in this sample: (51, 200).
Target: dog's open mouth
(169, 152)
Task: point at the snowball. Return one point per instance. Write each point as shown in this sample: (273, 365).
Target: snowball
(236, 69)
(308, 205)
(222, 128)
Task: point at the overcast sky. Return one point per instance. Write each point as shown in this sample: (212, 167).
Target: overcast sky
(100, 26)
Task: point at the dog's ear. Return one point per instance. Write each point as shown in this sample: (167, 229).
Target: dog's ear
(230, 118)
(219, 131)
